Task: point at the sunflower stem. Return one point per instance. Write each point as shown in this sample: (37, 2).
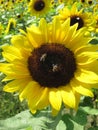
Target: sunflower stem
(55, 120)
(71, 112)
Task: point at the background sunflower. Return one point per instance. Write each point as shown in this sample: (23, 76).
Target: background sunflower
(84, 19)
(11, 25)
(39, 7)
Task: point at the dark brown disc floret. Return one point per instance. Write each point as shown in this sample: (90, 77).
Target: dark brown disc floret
(39, 5)
(77, 19)
(52, 65)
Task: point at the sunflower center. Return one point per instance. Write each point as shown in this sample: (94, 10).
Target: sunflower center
(77, 19)
(39, 5)
(82, 1)
(90, 2)
(52, 65)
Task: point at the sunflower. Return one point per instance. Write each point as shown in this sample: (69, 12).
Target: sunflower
(50, 64)
(67, 1)
(7, 5)
(90, 2)
(1, 28)
(82, 1)
(1, 2)
(11, 25)
(39, 7)
(95, 28)
(84, 19)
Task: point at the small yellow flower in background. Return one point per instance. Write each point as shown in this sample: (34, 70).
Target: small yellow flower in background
(39, 7)
(51, 64)
(19, 16)
(67, 1)
(18, 1)
(7, 5)
(11, 25)
(1, 2)
(95, 28)
(61, 1)
(1, 28)
(84, 19)
(90, 2)
(95, 8)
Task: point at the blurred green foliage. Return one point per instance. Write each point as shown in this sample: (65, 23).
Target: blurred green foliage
(9, 103)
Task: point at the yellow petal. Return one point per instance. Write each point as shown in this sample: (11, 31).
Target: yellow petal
(14, 71)
(34, 95)
(93, 66)
(44, 99)
(86, 76)
(79, 40)
(55, 30)
(70, 33)
(55, 99)
(81, 89)
(30, 89)
(10, 53)
(16, 85)
(68, 97)
(54, 112)
(37, 39)
(44, 30)
(87, 48)
(21, 41)
(4, 67)
(66, 26)
(86, 57)
(33, 110)
(77, 99)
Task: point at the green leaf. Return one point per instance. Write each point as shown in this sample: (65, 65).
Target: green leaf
(93, 128)
(89, 110)
(77, 126)
(18, 122)
(67, 120)
(61, 125)
(42, 120)
(29, 128)
(24, 121)
(80, 117)
(71, 124)
(94, 41)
